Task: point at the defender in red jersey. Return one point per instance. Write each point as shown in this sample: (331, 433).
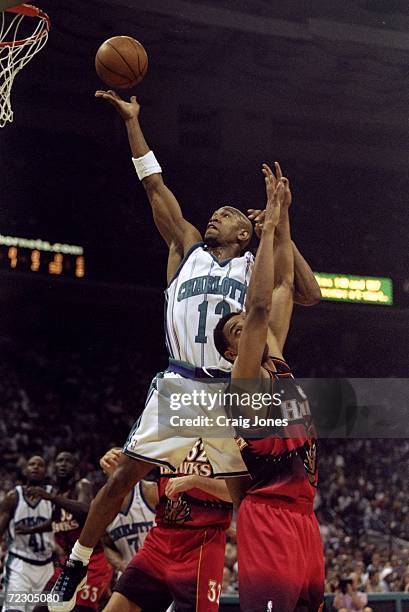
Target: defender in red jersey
(280, 554)
(71, 499)
(182, 558)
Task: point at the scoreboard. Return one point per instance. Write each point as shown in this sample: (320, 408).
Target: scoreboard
(37, 256)
(41, 257)
(355, 289)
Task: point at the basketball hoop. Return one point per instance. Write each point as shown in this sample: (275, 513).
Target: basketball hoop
(15, 53)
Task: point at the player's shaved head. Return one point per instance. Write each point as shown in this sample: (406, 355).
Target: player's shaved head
(35, 469)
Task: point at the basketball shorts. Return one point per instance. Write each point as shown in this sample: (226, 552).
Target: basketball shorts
(22, 577)
(181, 565)
(280, 558)
(160, 435)
(99, 576)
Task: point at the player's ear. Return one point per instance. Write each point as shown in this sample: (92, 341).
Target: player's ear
(243, 236)
(230, 355)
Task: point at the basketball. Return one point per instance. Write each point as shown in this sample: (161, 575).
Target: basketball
(121, 62)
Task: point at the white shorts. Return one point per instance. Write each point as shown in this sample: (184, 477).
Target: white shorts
(154, 439)
(23, 578)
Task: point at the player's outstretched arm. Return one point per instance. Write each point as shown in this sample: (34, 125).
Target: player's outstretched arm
(306, 288)
(166, 210)
(253, 336)
(43, 527)
(283, 292)
(78, 507)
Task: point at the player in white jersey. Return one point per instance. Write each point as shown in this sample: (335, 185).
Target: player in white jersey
(127, 532)
(29, 563)
(210, 281)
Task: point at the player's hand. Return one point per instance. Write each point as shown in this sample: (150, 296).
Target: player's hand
(275, 197)
(39, 492)
(178, 485)
(110, 460)
(287, 198)
(128, 110)
(23, 530)
(256, 214)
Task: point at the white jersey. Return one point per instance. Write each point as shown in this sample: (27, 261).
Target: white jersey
(36, 547)
(202, 291)
(130, 527)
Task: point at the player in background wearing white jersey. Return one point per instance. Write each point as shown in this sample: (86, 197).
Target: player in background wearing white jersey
(127, 532)
(210, 282)
(29, 564)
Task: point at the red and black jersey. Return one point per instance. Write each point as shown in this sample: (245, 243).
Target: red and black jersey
(193, 508)
(283, 465)
(66, 525)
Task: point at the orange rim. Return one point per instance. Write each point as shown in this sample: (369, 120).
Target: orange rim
(29, 11)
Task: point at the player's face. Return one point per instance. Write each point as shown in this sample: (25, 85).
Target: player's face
(232, 332)
(35, 469)
(65, 465)
(223, 228)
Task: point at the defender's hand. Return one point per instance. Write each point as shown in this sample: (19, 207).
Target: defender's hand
(110, 460)
(274, 202)
(39, 492)
(287, 192)
(128, 110)
(256, 215)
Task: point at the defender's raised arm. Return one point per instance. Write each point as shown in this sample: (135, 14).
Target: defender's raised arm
(253, 335)
(306, 288)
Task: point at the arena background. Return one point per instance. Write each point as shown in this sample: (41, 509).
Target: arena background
(323, 88)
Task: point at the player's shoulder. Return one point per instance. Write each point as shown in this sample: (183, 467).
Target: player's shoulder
(187, 254)
(11, 499)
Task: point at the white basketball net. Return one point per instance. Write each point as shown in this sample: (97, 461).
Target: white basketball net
(15, 53)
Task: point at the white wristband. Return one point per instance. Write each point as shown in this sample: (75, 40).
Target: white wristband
(146, 165)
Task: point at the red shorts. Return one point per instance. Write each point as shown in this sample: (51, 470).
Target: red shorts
(176, 564)
(280, 558)
(99, 576)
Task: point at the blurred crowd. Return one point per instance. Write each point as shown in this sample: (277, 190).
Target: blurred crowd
(87, 402)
